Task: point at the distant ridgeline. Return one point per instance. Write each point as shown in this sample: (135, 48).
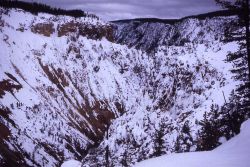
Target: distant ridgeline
(36, 8)
(173, 21)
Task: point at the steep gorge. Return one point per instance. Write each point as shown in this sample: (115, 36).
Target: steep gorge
(64, 80)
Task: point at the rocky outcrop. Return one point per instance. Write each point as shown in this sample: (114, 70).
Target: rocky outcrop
(45, 29)
(65, 29)
(54, 108)
(90, 31)
(95, 32)
(9, 85)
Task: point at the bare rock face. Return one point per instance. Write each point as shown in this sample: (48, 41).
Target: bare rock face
(45, 29)
(67, 28)
(9, 85)
(95, 32)
(4, 131)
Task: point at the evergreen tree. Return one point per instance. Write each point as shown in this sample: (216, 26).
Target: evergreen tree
(242, 6)
(184, 140)
(237, 109)
(231, 118)
(159, 141)
(107, 147)
(124, 159)
(208, 137)
(177, 146)
(239, 32)
(36, 8)
(142, 155)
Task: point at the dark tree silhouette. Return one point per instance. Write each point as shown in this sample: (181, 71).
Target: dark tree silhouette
(124, 160)
(159, 147)
(107, 147)
(36, 8)
(184, 140)
(243, 12)
(210, 130)
(239, 32)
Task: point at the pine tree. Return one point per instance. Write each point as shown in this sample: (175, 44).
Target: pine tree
(159, 141)
(231, 118)
(107, 147)
(184, 140)
(242, 6)
(208, 137)
(177, 146)
(142, 155)
(124, 160)
(239, 32)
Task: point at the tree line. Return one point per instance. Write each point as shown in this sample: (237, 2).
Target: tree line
(36, 8)
(227, 120)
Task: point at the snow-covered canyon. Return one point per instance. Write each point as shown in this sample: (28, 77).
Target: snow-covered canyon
(66, 81)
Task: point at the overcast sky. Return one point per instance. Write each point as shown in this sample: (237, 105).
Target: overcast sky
(126, 9)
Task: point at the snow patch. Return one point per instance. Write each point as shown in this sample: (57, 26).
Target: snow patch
(71, 163)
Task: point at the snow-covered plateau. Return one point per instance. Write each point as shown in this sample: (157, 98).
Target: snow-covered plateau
(72, 87)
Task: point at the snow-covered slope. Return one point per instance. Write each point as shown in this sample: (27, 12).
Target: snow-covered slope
(63, 82)
(234, 152)
(71, 163)
(180, 85)
(149, 34)
(184, 86)
(58, 92)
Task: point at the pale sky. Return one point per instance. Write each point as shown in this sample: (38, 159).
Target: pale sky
(127, 9)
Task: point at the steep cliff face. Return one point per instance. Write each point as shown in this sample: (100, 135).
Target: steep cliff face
(182, 84)
(59, 88)
(183, 76)
(149, 34)
(63, 82)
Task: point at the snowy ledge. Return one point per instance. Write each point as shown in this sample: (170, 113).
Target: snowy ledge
(233, 153)
(71, 163)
